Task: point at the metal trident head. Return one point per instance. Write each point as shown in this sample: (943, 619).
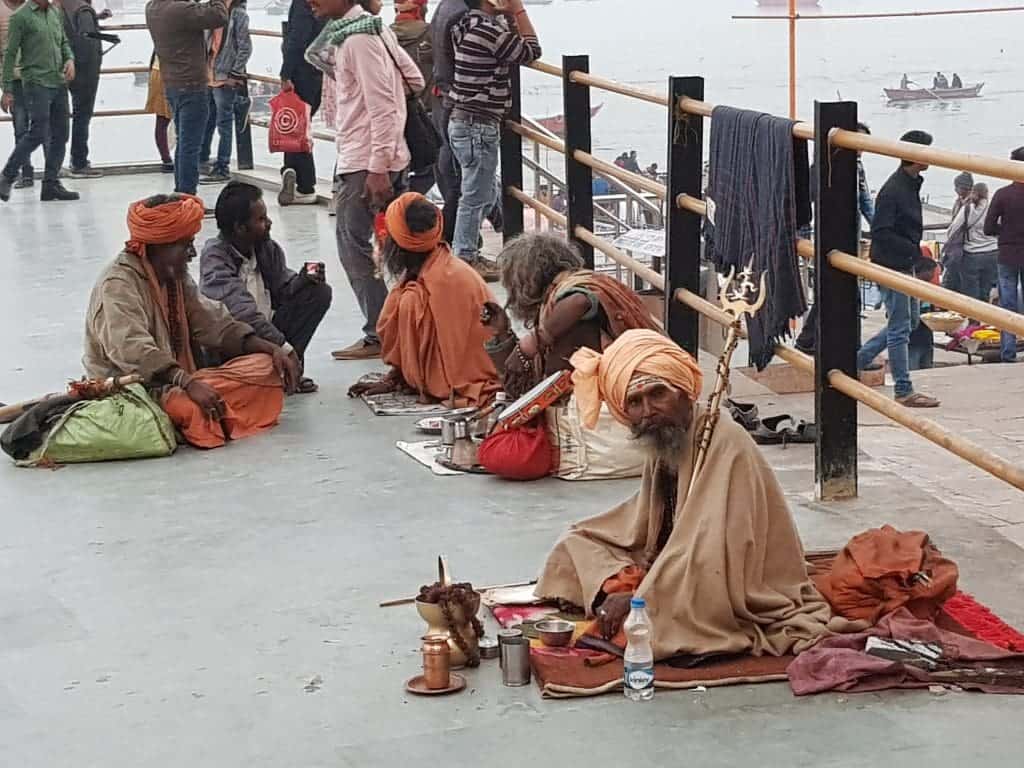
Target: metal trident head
(738, 298)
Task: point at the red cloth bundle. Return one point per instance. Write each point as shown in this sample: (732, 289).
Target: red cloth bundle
(523, 453)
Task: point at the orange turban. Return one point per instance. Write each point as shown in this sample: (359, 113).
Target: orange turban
(398, 227)
(177, 219)
(605, 378)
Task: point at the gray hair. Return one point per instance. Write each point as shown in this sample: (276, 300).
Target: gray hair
(529, 265)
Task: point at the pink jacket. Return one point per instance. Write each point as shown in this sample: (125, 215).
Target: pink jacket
(371, 107)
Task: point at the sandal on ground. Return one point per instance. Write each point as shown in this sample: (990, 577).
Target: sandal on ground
(771, 431)
(306, 386)
(744, 414)
(918, 400)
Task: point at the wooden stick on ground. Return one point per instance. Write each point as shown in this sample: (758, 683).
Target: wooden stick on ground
(410, 600)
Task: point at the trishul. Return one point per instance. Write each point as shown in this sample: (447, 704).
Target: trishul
(737, 299)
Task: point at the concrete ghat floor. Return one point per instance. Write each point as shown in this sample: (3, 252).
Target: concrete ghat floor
(172, 612)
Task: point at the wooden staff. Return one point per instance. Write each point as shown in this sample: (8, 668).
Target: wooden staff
(736, 301)
(9, 413)
(410, 600)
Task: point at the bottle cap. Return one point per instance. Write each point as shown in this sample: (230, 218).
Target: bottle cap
(637, 602)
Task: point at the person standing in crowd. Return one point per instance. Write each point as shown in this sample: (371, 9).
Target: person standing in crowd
(19, 114)
(156, 104)
(413, 33)
(246, 270)
(178, 30)
(1005, 220)
(82, 26)
(228, 52)
(298, 176)
(896, 243)
(37, 42)
(486, 48)
(953, 250)
(980, 264)
(370, 70)
(632, 164)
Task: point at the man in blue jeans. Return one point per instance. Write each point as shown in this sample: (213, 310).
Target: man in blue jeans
(896, 232)
(1005, 220)
(229, 52)
(486, 47)
(177, 28)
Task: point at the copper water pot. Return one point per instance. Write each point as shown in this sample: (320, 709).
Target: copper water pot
(436, 662)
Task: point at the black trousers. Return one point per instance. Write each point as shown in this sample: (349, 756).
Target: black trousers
(302, 162)
(83, 104)
(300, 315)
(48, 128)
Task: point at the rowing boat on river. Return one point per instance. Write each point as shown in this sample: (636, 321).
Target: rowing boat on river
(933, 94)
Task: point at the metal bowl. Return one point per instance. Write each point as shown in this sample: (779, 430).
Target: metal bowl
(555, 633)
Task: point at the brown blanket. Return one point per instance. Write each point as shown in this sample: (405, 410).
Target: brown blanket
(731, 577)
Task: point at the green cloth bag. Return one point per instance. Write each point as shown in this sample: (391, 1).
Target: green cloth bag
(125, 425)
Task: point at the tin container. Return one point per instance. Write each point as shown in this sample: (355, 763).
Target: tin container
(436, 662)
(503, 636)
(515, 662)
(447, 437)
(489, 648)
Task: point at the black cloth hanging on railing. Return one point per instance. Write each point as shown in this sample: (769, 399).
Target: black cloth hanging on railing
(758, 197)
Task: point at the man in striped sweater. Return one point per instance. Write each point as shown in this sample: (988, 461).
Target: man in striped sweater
(488, 41)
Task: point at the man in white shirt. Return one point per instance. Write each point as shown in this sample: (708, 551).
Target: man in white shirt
(979, 270)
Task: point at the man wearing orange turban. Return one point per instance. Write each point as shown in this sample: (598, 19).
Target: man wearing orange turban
(429, 328)
(146, 312)
(721, 568)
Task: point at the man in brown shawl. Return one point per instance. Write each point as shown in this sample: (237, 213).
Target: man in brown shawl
(722, 568)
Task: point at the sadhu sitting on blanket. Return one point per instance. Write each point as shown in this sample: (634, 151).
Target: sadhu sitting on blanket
(429, 331)
(722, 568)
(145, 313)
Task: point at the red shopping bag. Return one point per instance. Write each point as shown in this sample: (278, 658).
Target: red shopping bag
(291, 129)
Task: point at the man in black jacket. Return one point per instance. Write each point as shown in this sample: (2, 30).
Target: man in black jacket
(81, 23)
(896, 232)
(298, 177)
(247, 271)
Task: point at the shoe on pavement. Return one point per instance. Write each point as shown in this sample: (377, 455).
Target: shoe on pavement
(85, 172)
(205, 168)
(166, 167)
(918, 400)
(309, 199)
(24, 182)
(486, 268)
(215, 177)
(208, 213)
(54, 190)
(289, 181)
(364, 349)
(5, 188)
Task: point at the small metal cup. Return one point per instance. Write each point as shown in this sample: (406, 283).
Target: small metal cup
(504, 635)
(515, 662)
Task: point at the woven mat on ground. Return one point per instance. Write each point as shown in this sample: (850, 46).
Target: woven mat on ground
(563, 672)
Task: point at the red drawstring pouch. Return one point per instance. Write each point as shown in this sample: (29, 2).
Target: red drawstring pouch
(523, 453)
(291, 128)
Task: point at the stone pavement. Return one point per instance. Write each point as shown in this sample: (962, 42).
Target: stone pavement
(218, 609)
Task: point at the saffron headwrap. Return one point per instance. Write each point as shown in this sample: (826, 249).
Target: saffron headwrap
(605, 378)
(398, 227)
(179, 218)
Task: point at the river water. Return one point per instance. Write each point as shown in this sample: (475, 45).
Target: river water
(744, 64)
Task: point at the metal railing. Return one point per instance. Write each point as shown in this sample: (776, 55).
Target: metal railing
(838, 389)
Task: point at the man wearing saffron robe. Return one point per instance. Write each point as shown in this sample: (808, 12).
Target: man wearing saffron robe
(429, 328)
(722, 567)
(146, 312)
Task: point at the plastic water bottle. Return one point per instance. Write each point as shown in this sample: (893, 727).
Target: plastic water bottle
(638, 681)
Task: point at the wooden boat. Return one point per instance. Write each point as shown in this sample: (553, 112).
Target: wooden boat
(556, 124)
(933, 94)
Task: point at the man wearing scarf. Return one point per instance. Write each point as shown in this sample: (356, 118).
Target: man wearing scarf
(146, 312)
(722, 568)
(429, 327)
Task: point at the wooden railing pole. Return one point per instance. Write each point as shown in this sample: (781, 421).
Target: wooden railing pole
(683, 227)
(579, 177)
(837, 299)
(512, 165)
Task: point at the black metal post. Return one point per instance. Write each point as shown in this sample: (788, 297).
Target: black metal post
(683, 228)
(837, 227)
(512, 165)
(579, 177)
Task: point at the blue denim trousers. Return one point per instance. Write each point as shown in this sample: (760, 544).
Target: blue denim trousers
(904, 314)
(19, 116)
(191, 110)
(1011, 283)
(223, 101)
(476, 146)
(48, 127)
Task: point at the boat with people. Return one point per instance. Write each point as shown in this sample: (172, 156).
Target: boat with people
(933, 94)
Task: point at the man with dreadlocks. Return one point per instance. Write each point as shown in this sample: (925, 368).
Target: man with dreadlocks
(144, 314)
(721, 566)
(428, 330)
(563, 305)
